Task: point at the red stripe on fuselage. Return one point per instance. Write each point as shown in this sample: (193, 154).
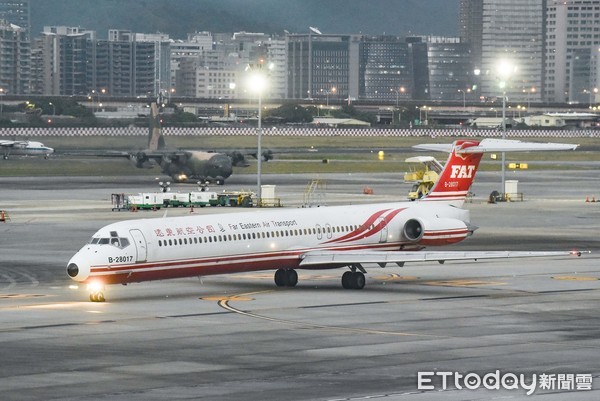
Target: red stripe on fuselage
(214, 265)
(361, 229)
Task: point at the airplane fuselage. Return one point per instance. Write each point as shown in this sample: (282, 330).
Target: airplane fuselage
(198, 165)
(163, 248)
(25, 148)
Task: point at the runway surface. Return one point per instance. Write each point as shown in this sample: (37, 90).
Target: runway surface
(238, 337)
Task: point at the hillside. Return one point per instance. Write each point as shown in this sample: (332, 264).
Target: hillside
(178, 17)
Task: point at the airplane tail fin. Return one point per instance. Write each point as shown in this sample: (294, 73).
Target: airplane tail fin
(459, 172)
(156, 141)
(457, 176)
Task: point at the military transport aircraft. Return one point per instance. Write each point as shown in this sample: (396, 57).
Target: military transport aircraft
(24, 148)
(288, 239)
(184, 165)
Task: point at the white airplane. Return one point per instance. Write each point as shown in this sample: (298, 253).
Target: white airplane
(25, 148)
(285, 239)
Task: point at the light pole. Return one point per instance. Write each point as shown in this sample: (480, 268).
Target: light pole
(398, 92)
(91, 97)
(464, 93)
(332, 91)
(505, 69)
(258, 83)
(53, 108)
(2, 92)
(592, 94)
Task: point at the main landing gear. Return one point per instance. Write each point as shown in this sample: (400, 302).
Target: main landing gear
(351, 280)
(286, 278)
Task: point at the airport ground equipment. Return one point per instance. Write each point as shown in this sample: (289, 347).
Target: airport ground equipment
(422, 177)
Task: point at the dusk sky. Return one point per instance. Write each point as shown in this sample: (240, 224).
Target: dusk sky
(395, 17)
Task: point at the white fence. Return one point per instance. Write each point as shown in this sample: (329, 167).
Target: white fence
(294, 131)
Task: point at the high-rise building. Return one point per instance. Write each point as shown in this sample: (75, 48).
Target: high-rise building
(190, 49)
(572, 64)
(322, 66)
(451, 72)
(513, 35)
(14, 59)
(385, 72)
(471, 32)
(121, 68)
(471, 28)
(71, 61)
(59, 60)
(277, 62)
(16, 12)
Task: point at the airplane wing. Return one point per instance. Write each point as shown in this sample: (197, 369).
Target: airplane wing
(499, 145)
(156, 155)
(316, 258)
(12, 144)
(238, 157)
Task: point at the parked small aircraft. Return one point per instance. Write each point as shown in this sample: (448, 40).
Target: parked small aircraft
(24, 148)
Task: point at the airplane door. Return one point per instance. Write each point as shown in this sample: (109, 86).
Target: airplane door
(319, 233)
(383, 234)
(328, 231)
(140, 245)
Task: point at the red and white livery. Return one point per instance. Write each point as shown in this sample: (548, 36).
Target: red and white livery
(288, 239)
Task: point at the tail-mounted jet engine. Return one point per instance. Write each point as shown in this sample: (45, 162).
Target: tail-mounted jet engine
(434, 231)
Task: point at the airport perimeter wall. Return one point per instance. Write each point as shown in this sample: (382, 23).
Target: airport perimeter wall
(296, 131)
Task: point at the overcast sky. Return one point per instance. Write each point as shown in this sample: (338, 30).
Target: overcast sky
(178, 17)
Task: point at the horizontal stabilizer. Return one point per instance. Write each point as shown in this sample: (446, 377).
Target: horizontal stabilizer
(499, 145)
(348, 258)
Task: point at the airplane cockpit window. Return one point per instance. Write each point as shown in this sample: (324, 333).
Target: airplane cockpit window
(114, 240)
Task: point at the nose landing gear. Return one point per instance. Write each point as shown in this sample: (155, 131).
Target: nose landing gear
(96, 291)
(97, 297)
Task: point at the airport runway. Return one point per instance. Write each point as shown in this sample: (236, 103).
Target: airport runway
(238, 337)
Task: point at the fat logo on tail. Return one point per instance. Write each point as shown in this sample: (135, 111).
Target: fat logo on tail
(457, 177)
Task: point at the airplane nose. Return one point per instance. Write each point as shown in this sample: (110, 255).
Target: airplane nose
(72, 270)
(78, 269)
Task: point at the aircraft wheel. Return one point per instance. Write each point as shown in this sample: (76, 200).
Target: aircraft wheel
(97, 297)
(358, 281)
(347, 280)
(291, 277)
(286, 278)
(220, 181)
(353, 281)
(280, 277)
